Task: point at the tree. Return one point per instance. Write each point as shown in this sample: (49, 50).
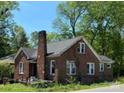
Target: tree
(106, 26)
(102, 23)
(6, 25)
(51, 36)
(103, 19)
(34, 39)
(69, 15)
(20, 39)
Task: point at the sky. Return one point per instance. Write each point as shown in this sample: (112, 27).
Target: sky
(36, 15)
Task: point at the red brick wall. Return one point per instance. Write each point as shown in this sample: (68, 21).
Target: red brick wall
(108, 73)
(41, 56)
(21, 58)
(81, 63)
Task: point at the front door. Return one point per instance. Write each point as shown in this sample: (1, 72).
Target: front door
(33, 69)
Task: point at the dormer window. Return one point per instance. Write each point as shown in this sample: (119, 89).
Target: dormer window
(82, 48)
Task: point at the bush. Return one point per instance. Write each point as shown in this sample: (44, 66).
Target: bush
(120, 80)
(6, 70)
(42, 84)
(71, 79)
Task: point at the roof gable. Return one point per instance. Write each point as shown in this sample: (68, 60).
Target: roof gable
(55, 49)
(58, 48)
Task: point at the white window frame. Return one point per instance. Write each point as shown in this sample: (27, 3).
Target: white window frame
(89, 70)
(21, 70)
(70, 62)
(101, 65)
(110, 65)
(51, 63)
(82, 46)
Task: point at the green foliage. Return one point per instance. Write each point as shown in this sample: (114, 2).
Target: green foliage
(6, 70)
(55, 86)
(42, 84)
(120, 80)
(16, 88)
(71, 79)
(69, 15)
(51, 36)
(6, 26)
(19, 39)
(34, 39)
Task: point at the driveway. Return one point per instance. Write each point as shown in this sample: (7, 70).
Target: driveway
(114, 88)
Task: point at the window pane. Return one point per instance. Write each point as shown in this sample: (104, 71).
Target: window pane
(82, 48)
(21, 68)
(88, 68)
(52, 67)
(92, 71)
(73, 70)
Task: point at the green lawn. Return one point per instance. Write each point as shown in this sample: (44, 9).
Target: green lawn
(56, 87)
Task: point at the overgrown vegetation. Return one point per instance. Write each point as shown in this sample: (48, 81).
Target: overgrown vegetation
(6, 70)
(38, 87)
(16, 88)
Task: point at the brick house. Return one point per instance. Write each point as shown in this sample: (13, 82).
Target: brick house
(58, 60)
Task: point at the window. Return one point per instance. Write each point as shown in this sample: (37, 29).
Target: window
(21, 68)
(90, 68)
(52, 67)
(71, 68)
(108, 65)
(101, 67)
(82, 48)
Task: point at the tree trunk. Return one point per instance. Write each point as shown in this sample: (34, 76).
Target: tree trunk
(73, 31)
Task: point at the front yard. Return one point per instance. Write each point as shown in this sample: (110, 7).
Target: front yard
(17, 87)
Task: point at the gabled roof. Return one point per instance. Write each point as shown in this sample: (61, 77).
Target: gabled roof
(105, 59)
(55, 49)
(59, 47)
(8, 59)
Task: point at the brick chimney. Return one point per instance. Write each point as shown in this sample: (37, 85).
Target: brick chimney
(41, 55)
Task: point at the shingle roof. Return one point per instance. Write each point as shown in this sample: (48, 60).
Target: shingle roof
(105, 59)
(57, 48)
(8, 59)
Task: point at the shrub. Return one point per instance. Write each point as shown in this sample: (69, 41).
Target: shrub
(120, 80)
(71, 79)
(6, 70)
(42, 84)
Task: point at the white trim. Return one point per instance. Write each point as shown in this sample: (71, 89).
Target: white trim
(51, 63)
(70, 63)
(82, 46)
(91, 66)
(21, 49)
(91, 48)
(111, 62)
(101, 65)
(21, 70)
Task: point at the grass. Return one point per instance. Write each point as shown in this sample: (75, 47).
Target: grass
(17, 88)
(56, 87)
(73, 87)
